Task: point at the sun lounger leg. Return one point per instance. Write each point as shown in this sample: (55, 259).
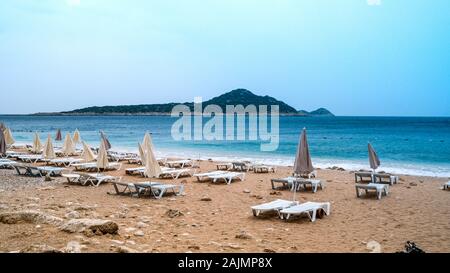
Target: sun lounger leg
(314, 213)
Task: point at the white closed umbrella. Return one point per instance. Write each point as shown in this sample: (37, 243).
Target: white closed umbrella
(147, 142)
(102, 157)
(152, 168)
(141, 153)
(68, 146)
(49, 152)
(76, 136)
(37, 144)
(9, 139)
(87, 155)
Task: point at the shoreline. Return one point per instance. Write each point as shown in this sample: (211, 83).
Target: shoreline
(403, 168)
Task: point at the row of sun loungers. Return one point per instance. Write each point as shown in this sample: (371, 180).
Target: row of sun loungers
(374, 182)
(38, 171)
(6, 163)
(94, 179)
(245, 167)
(64, 162)
(92, 167)
(380, 189)
(288, 209)
(369, 177)
(138, 189)
(297, 183)
(216, 176)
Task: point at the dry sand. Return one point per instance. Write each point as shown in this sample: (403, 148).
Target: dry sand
(416, 209)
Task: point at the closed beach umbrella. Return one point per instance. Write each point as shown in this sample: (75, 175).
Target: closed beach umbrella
(68, 146)
(76, 136)
(102, 157)
(374, 161)
(58, 135)
(8, 137)
(141, 153)
(105, 140)
(303, 162)
(2, 143)
(152, 168)
(88, 154)
(147, 142)
(49, 152)
(2, 126)
(37, 144)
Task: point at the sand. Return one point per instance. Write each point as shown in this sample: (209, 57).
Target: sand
(416, 210)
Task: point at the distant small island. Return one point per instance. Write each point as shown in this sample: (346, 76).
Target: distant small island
(234, 97)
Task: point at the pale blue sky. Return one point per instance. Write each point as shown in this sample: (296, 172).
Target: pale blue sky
(348, 56)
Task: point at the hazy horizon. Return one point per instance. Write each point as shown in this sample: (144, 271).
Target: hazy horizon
(355, 57)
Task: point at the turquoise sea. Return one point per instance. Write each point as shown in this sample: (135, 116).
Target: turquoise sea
(406, 145)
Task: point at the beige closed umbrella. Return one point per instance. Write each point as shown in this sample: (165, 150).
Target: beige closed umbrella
(152, 168)
(303, 164)
(374, 161)
(102, 156)
(76, 136)
(147, 142)
(49, 152)
(87, 155)
(141, 153)
(37, 144)
(9, 139)
(68, 146)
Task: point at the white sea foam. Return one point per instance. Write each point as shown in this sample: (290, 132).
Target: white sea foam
(415, 169)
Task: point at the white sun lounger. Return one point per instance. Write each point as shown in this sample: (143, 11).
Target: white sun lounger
(263, 169)
(66, 162)
(298, 182)
(224, 166)
(274, 206)
(385, 178)
(52, 171)
(115, 156)
(241, 166)
(157, 189)
(446, 186)
(7, 163)
(92, 179)
(31, 158)
(133, 171)
(170, 173)
(14, 154)
(179, 163)
(379, 188)
(202, 176)
(308, 208)
(92, 166)
(227, 177)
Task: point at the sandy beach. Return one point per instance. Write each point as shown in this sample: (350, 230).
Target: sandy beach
(416, 210)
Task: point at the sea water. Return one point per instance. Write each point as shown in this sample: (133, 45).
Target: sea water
(405, 145)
